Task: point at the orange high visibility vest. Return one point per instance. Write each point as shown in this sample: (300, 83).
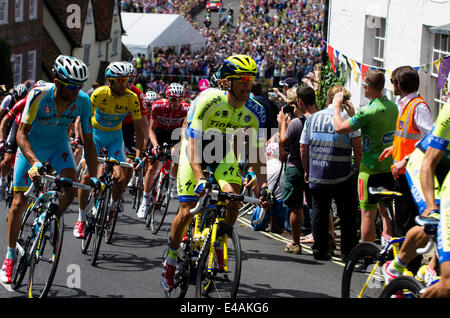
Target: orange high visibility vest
(406, 136)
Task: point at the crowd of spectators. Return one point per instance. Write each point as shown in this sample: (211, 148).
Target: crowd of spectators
(284, 38)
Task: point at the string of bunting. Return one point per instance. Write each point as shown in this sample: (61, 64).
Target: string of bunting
(442, 66)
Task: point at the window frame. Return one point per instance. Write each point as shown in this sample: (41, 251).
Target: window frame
(19, 17)
(4, 18)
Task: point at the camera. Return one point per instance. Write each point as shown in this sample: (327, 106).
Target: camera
(288, 109)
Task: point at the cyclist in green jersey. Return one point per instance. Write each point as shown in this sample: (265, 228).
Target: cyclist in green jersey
(377, 123)
(218, 115)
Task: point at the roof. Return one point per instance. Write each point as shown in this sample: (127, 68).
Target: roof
(161, 30)
(442, 29)
(51, 53)
(58, 10)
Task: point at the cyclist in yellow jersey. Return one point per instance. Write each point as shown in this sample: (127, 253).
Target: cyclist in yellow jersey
(218, 114)
(110, 104)
(427, 171)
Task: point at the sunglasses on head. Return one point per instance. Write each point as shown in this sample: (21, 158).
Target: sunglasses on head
(243, 78)
(71, 87)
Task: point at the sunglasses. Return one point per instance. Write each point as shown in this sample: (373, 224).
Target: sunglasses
(242, 78)
(71, 87)
(120, 80)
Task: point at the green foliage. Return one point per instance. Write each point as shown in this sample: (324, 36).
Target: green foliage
(6, 76)
(328, 78)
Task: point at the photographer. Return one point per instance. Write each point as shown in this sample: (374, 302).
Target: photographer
(290, 123)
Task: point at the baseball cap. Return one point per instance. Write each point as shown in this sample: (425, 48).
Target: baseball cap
(289, 82)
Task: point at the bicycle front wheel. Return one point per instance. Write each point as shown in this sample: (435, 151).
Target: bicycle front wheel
(222, 279)
(403, 287)
(24, 242)
(46, 257)
(159, 207)
(362, 277)
(100, 224)
(111, 223)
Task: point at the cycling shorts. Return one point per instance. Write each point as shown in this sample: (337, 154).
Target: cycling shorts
(369, 178)
(225, 172)
(59, 156)
(443, 238)
(112, 141)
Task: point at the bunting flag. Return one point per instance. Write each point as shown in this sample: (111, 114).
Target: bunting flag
(443, 73)
(357, 68)
(332, 58)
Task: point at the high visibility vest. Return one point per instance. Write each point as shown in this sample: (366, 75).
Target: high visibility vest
(406, 136)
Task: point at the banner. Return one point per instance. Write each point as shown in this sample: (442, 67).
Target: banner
(443, 73)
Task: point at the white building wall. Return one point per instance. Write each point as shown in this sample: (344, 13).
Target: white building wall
(408, 40)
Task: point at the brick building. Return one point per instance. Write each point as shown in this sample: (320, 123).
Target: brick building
(21, 25)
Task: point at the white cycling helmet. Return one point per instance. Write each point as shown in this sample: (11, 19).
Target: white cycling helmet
(20, 91)
(175, 90)
(131, 69)
(150, 97)
(70, 70)
(117, 69)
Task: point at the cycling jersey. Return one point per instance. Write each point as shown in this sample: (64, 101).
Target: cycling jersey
(48, 134)
(439, 138)
(17, 110)
(144, 112)
(213, 113)
(109, 111)
(377, 123)
(165, 118)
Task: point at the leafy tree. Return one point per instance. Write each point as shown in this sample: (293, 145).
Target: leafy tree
(328, 78)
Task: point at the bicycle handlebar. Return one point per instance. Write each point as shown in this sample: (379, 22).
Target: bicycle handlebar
(67, 182)
(215, 194)
(122, 164)
(427, 248)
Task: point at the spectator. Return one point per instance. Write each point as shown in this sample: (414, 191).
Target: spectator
(377, 124)
(416, 120)
(327, 160)
(261, 96)
(290, 121)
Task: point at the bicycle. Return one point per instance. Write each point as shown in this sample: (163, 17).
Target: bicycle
(160, 191)
(136, 187)
(220, 259)
(41, 234)
(100, 221)
(362, 275)
(407, 286)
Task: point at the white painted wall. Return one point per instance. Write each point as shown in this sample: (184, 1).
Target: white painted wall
(408, 39)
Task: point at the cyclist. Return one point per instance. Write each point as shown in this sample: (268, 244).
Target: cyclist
(19, 92)
(427, 174)
(110, 104)
(377, 123)
(42, 136)
(166, 117)
(218, 115)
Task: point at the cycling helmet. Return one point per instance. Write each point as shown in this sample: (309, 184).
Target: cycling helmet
(70, 70)
(20, 91)
(214, 79)
(238, 64)
(39, 83)
(131, 69)
(150, 97)
(117, 69)
(175, 90)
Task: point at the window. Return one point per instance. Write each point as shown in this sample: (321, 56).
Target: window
(33, 9)
(115, 45)
(19, 10)
(116, 7)
(99, 53)
(441, 49)
(17, 68)
(380, 38)
(87, 52)
(3, 11)
(89, 18)
(32, 65)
